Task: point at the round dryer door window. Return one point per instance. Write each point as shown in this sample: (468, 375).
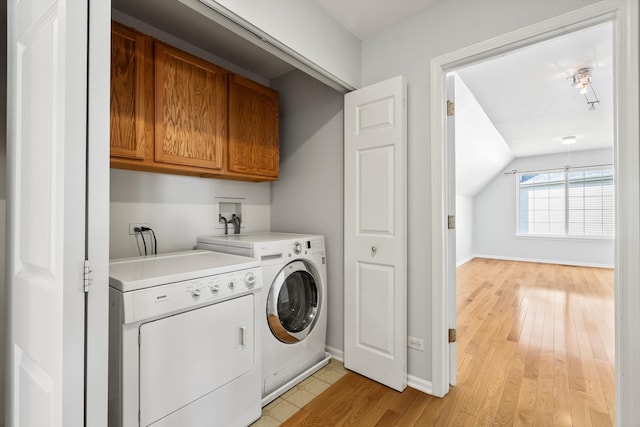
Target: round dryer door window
(293, 303)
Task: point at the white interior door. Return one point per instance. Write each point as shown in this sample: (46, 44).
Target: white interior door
(375, 232)
(450, 243)
(46, 143)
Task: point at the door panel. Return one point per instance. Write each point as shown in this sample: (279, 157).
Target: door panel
(375, 330)
(375, 190)
(254, 134)
(46, 147)
(131, 118)
(375, 232)
(191, 110)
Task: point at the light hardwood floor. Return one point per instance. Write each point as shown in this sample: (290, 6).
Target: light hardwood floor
(535, 347)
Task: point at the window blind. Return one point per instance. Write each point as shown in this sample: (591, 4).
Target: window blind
(566, 202)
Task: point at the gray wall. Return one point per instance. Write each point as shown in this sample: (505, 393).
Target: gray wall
(494, 218)
(407, 49)
(3, 191)
(308, 198)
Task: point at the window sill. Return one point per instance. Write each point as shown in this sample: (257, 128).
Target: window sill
(561, 237)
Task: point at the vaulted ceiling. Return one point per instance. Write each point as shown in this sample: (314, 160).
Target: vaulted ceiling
(529, 97)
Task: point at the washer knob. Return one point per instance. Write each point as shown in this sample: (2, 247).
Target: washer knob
(250, 280)
(195, 293)
(297, 248)
(214, 289)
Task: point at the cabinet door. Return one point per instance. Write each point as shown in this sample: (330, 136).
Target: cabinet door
(131, 92)
(191, 113)
(254, 146)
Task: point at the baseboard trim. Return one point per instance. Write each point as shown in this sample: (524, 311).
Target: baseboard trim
(545, 261)
(412, 381)
(335, 353)
(420, 384)
(464, 261)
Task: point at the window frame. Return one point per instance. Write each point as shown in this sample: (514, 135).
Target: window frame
(564, 170)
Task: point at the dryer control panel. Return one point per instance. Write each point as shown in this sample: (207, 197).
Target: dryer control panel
(179, 296)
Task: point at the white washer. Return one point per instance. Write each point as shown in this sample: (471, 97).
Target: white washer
(294, 312)
(184, 346)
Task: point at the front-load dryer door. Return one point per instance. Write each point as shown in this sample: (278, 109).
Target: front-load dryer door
(186, 356)
(293, 302)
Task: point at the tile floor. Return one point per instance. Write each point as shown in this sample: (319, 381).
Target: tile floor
(289, 403)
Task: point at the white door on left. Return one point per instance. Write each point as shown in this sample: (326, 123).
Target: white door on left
(46, 148)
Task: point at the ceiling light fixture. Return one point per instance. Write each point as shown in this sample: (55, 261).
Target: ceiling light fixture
(569, 140)
(582, 80)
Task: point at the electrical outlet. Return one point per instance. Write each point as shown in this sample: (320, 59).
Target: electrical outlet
(415, 343)
(137, 224)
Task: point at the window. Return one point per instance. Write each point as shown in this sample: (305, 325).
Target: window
(566, 202)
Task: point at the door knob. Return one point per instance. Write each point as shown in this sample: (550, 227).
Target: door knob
(374, 249)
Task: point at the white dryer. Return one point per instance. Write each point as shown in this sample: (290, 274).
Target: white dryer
(184, 347)
(294, 312)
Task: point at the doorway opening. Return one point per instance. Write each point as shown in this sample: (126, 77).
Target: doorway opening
(532, 213)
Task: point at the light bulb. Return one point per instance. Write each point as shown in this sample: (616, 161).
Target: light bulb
(583, 90)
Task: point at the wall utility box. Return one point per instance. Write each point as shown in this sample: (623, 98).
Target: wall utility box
(226, 207)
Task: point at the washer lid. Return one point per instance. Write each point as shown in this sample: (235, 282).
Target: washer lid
(128, 274)
(249, 239)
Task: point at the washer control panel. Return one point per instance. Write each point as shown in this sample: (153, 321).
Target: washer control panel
(165, 299)
(308, 247)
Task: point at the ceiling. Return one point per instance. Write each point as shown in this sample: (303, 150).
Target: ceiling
(365, 18)
(529, 98)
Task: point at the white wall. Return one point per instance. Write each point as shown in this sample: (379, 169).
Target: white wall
(308, 198)
(495, 218)
(298, 24)
(464, 229)
(178, 208)
(481, 151)
(408, 49)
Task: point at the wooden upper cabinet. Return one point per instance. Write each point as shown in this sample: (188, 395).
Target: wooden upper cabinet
(254, 142)
(172, 112)
(190, 110)
(131, 92)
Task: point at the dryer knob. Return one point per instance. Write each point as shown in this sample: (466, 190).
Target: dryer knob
(297, 248)
(214, 289)
(232, 284)
(250, 280)
(195, 293)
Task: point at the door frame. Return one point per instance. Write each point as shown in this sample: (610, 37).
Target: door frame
(97, 211)
(624, 15)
